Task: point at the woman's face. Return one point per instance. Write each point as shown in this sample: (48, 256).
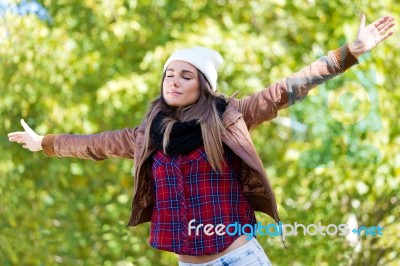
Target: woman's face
(181, 86)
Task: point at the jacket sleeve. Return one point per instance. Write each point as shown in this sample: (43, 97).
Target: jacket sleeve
(118, 143)
(264, 105)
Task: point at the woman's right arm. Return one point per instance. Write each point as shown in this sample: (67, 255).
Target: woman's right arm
(117, 143)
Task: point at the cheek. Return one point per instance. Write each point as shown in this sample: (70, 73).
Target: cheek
(194, 91)
(196, 94)
(164, 88)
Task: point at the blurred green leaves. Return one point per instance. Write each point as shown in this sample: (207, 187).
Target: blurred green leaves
(97, 64)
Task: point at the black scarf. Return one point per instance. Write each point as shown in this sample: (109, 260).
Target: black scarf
(184, 137)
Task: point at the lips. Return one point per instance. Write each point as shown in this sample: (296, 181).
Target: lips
(174, 92)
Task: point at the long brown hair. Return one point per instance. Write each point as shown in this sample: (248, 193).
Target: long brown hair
(204, 111)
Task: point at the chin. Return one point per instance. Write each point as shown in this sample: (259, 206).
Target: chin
(173, 103)
(178, 101)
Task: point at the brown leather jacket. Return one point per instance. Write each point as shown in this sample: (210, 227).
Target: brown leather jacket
(239, 117)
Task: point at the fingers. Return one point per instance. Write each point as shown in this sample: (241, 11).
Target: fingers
(386, 35)
(15, 134)
(382, 22)
(25, 126)
(17, 140)
(385, 24)
(18, 137)
(362, 22)
(385, 27)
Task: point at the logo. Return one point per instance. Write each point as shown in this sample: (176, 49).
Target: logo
(280, 229)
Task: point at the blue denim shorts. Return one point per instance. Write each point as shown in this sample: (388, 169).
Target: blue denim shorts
(250, 254)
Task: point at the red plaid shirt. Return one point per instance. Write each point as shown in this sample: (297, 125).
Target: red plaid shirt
(186, 188)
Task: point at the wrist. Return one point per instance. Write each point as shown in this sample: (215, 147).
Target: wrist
(355, 49)
(39, 141)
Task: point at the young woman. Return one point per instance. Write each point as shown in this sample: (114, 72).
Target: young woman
(196, 166)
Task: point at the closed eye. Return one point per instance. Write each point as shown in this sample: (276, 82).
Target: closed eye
(171, 76)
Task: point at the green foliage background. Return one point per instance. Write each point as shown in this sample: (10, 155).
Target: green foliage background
(96, 66)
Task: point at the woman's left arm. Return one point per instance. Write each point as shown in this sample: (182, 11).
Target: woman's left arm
(264, 105)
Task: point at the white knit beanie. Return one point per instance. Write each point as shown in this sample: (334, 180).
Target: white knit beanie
(204, 59)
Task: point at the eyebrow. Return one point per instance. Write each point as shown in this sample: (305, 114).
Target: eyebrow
(183, 71)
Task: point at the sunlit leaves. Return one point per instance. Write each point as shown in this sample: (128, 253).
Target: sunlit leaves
(96, 65)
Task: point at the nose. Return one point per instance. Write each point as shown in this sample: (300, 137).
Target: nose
(174, 82)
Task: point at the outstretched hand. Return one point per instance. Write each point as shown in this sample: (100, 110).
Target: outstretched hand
(370, 36)
(28, 138)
